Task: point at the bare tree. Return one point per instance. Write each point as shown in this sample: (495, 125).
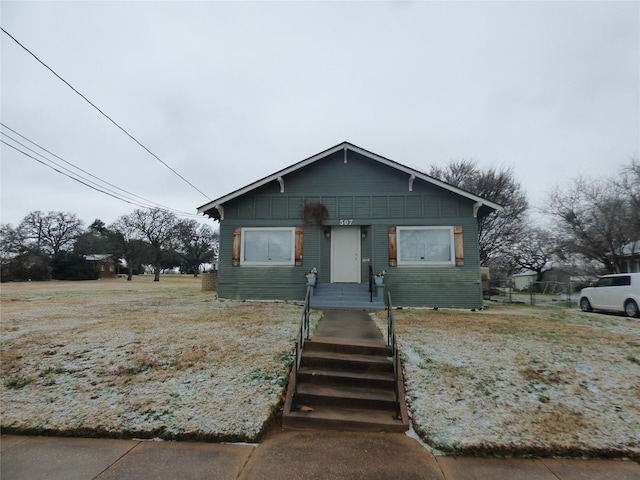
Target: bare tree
(11, 242)
(195, 243)
(50, 233)
(129, 244)
(595, 219)
(498, 231)
(157, 227)
(502, 266)
(536, 251)
(97, 239)
(629, 183)
(37, 241)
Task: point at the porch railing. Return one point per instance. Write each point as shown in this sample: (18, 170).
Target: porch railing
(303, 335)
(392, 341)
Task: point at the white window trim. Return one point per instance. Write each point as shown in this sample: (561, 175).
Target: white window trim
(452, 253)
(270, 229)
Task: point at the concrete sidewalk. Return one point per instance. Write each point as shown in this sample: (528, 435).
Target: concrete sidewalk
(283, 455)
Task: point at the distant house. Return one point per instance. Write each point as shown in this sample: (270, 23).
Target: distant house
(347, 212)
(554, 280)
(104, 264)
(521, 281)
(631, 258)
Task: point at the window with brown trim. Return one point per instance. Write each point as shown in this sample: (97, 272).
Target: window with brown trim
(267, 246)
(426, 245)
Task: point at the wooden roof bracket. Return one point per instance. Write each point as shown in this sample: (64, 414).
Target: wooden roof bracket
(476, 207)
(411, 179)
(220, 209)
(281, 182)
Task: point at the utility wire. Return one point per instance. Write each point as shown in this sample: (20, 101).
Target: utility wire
(104, 114)
(70, 172)
(74, 175)
(85, 183)
(150, 202)
(66, 175)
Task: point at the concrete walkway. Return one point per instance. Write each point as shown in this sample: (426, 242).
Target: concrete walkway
(283, 455)
(348, 325)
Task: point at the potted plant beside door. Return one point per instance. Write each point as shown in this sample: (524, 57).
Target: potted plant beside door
(311, 276)
(379, 277)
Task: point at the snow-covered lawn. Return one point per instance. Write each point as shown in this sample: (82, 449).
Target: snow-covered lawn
(166, 359)
(522, 380)
(139, 358)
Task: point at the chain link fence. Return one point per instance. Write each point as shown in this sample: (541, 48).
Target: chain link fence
(549, 293)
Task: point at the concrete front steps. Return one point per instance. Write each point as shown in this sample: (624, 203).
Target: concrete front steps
(346, 385)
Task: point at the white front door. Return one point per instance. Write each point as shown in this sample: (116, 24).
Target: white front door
(345, 255)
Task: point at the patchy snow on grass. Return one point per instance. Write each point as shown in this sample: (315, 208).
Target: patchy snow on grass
(144, 360)
(149, 359)
(522, 380)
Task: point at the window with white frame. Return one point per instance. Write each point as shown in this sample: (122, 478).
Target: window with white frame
(268, 246)
(425, 246)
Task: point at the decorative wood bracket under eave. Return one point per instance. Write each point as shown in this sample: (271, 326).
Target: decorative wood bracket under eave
(281, 182)
(476, 207)
(411, 179)
(220, 209)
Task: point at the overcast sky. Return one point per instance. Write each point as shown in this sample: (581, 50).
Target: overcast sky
(226, 93)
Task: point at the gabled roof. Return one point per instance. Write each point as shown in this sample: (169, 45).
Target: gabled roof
(98, 257)
(213, 208)
(631, 249)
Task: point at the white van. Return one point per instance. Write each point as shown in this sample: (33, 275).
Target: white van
(613, 293)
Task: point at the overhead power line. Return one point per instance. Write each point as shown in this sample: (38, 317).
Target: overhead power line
(66, 175)
(150, 203)
(105, 115)
(88, 183)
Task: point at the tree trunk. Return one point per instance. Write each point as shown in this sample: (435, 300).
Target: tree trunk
(129, 261)
(156, 272)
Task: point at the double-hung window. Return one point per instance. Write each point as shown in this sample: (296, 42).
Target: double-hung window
(426, 246)
(268, 246)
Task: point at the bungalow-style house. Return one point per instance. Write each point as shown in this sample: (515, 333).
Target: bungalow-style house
(347, 212)
(103, 264)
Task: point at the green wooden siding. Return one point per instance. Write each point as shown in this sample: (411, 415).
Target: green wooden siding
(372, 196)
(432, 286)
(363, 206)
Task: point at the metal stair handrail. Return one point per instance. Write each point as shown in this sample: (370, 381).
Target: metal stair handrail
(392, 341)
(303, 335)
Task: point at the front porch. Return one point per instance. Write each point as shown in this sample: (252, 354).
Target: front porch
(347, 296)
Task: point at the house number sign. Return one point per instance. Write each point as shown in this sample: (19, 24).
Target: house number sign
(346, 221)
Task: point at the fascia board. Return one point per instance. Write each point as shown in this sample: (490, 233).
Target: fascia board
(269, 179)
(410, 171)
(361, 151)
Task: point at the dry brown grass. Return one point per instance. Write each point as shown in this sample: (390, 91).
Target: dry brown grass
(519, 380)
(110, 356)
(143, 358)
